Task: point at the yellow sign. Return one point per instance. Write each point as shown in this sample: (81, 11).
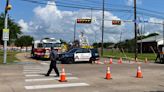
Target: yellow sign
(6, 34)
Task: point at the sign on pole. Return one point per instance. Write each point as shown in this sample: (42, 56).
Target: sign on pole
(5, 34)
(84, 21)
(116, 22)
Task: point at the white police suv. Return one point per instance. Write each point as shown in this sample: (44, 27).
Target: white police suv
(79, 54)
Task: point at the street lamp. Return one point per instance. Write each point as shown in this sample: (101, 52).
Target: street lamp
(6, 30)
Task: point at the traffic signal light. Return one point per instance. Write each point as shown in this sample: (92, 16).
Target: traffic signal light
(116, 22)
(85, 21)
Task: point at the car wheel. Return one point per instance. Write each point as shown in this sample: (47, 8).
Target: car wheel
(70, 61)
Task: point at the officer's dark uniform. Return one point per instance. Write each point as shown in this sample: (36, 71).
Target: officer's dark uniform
(158, 55)
(53, 58)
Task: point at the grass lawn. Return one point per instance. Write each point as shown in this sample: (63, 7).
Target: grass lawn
(10, 56)
(117, 54)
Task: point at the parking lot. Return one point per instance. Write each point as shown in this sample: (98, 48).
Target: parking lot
(82, 77)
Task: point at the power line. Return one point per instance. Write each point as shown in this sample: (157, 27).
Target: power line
(131, 7)
(157, 12)
(71, 3)
(97, 8)
(69, 6)
(58, 4)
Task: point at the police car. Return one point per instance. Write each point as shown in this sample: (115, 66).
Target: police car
(79, 54)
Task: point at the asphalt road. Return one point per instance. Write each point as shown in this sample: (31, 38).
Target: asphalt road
(82, 77)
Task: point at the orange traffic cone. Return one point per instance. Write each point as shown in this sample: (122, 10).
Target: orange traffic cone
(63, 76)
(108, 75)
(139, 73)
(105, 61)
(120, 61)
(110, 61)
(146, 60)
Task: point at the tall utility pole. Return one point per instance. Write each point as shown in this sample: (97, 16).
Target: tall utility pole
(102, 40)
(141, 39)
(163, 35)
(74, 35)
(120, 36)
(135, 29)
(6, 26)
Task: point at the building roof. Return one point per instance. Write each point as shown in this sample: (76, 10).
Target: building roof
(152, 39)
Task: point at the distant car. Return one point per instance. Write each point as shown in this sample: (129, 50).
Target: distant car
(79, 54)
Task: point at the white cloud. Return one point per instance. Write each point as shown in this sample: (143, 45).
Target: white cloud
(131, 2)
(24, 25)
(49, 21)
(152, 26)
(155, 20)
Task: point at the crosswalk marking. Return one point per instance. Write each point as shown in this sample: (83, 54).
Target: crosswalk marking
(27, 70)
(44, 63)
(33, 72)
(34, 68)
(36, 75)
(55, 86)
(48, 79)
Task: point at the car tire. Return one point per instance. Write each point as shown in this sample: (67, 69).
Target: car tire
(70, 61)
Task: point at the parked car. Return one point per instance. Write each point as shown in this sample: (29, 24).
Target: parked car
(79, 54)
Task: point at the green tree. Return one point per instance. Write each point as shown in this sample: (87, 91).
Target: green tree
(14, 29)
(24, 41)
(105, 45)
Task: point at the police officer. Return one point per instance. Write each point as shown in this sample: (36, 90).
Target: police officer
(53, 58)
(158, 55)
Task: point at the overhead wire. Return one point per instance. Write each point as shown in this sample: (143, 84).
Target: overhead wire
(95, 8)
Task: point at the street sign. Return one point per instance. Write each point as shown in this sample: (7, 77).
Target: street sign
(5, 34)
(116, 22)
(84, 21)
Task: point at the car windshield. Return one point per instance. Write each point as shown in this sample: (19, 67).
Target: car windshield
(40, 45)
(57, 45)
(46, 45)
(72, 50)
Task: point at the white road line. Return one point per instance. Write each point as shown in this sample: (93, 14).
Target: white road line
(45, 63)
(48, 79)
(34, 72)
(31, 70)
(31, 66)
(36, 75)
(56, 86)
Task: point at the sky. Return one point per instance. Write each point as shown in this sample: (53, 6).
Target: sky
(52, 20)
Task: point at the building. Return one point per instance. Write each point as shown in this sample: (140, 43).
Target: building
(151, 44)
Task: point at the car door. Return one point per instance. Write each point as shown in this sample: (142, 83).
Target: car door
(86, 54)
(78, 55)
